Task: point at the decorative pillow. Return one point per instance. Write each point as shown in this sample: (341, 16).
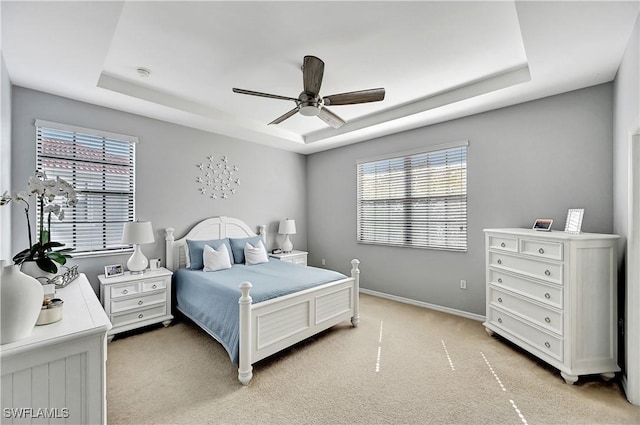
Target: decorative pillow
(255, 254)
(237, 246)
(196, 250)
(216, 259)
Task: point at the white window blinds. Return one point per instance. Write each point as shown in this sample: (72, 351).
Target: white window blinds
(100, 167)
(415, 199)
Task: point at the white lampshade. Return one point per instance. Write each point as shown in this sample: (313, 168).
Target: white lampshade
(137, 233)
(287, 227)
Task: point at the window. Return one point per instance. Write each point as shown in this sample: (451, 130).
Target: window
(415, 199)
(100, 166)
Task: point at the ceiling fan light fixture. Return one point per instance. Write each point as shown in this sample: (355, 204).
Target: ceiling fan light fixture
(310, 110)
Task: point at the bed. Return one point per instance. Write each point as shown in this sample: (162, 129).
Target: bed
(308, 300)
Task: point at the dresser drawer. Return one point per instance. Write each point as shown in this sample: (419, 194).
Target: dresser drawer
(124, 290)
(139, 315)
(120, 305)
(154, 285)
(550, 272)
(542, 249)
(522, 330)
(549, 294)
(503, 243)
(542, 316)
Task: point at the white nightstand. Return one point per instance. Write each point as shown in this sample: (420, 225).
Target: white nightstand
(295, 257)
(135, 300)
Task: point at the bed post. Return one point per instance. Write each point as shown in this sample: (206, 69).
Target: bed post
(355, 274)
(244, 364)
(169, 248)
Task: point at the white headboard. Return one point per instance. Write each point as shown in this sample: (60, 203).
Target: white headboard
(210, 228)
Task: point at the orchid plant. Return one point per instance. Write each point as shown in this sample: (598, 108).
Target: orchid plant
(51, 195)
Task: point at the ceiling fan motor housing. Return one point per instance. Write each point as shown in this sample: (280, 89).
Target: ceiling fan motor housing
(309, 104)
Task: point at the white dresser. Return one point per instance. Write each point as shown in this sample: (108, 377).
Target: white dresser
(135, 300)
(555, 295)
(58, 373)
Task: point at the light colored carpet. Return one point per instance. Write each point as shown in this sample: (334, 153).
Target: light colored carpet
(401, 365)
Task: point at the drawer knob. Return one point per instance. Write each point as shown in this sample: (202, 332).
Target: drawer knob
(499, 299)
(547, 295)
(546, 344)
(140, 302)
(499, 280)
(126, 291)
(140, 316)
(541, 251)
(547, 272)
(154, 286)
(499, 261)
(499, 319)
(548, 320)
(503, 244)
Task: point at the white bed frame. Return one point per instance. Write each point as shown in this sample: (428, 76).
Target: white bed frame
(270, 326)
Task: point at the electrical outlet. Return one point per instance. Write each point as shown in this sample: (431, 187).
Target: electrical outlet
(463, 284)
(324, 262)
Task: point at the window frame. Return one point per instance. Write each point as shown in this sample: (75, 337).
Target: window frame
(451, 245)
(129, 144)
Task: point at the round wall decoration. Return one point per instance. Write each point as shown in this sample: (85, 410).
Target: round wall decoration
(217, 179)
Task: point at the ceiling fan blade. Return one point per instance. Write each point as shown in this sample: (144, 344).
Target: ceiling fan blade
(330, 118)
(361, 96)
(285, 116)
(257, 93)
(312, 72)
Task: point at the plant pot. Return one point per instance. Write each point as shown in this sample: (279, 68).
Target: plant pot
(31, 268)
(21, 296)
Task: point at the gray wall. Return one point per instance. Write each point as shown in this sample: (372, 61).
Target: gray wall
(5, 158)
(272, 181)
(533, 160)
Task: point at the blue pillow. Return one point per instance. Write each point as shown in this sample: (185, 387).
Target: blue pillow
(196, 250)
(237, 246)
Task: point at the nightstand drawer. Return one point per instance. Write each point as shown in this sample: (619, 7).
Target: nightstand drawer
(139, 315)
(124, 290)
(154, 285)
(118, 306)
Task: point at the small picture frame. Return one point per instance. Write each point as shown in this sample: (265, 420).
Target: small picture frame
(543, 224)
(574, 221)
(113, 270)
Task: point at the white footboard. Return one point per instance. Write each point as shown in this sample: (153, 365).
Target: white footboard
(272, 325)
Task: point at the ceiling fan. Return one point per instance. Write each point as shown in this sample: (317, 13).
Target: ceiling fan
(310, 103)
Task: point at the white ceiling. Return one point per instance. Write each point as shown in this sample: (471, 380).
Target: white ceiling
(436, 60)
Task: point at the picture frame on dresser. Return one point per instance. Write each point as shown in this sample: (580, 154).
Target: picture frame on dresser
(574, 221)
(113, 270)
(543, 224)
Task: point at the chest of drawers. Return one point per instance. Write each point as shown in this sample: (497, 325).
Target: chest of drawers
(135, 300)
(555, 295)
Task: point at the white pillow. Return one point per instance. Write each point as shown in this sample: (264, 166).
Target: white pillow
(255, 255)
(187, 260)
(215, 260)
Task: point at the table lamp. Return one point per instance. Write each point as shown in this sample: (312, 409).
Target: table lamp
(136, 233)
(287, 227)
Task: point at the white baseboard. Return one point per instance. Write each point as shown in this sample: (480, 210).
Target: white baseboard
(453, 311)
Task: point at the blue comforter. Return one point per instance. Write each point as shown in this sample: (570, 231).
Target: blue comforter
(211, 298)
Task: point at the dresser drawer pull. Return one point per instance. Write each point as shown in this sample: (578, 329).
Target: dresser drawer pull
(546, 344)
(125, 292)
(154, 286)
(140, 302)
(547, 295)
(541, 251)
(548, 320)
(503, 244)
(499, 261)
(499, 319)
(547, 273)
(140, 316)
(499, 299)
(499, 280)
